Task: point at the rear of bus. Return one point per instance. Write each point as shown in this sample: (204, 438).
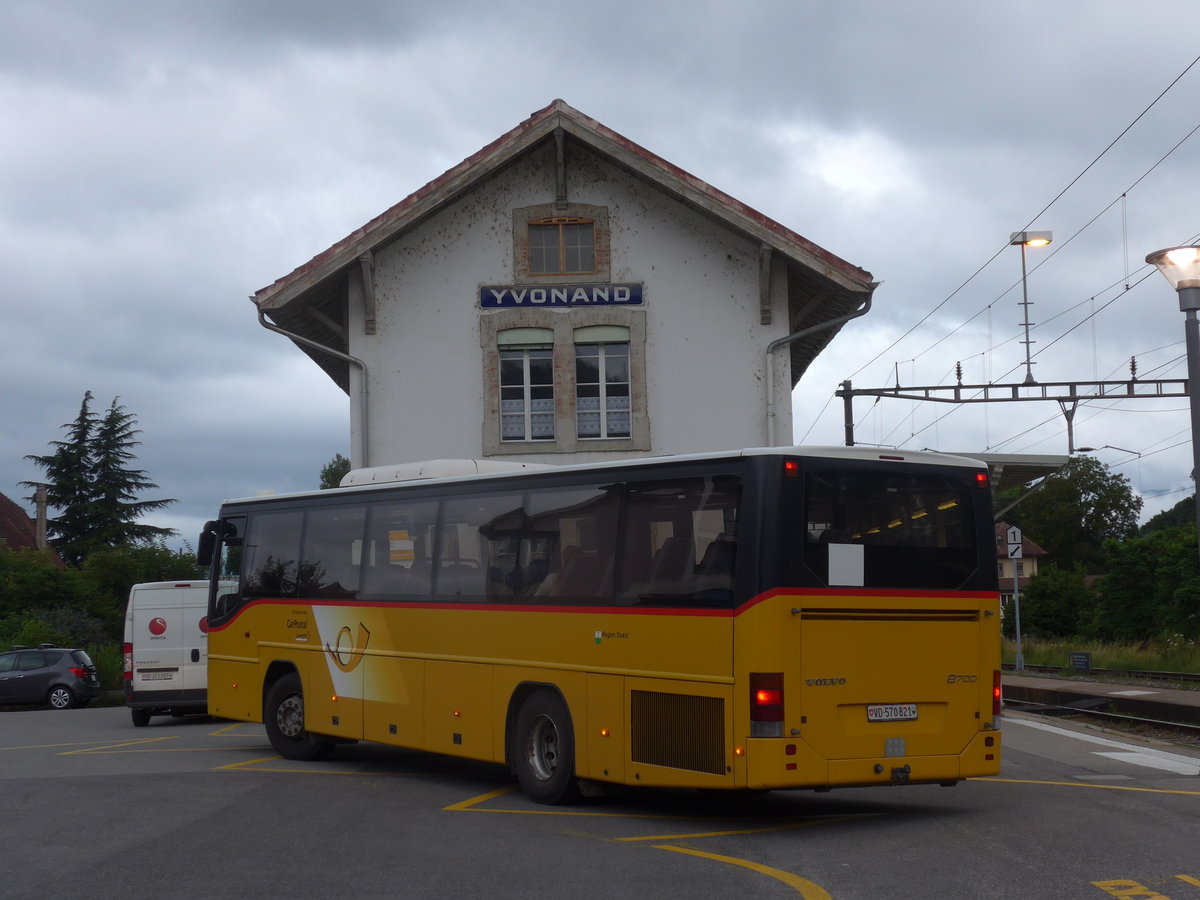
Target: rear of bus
(872, 654)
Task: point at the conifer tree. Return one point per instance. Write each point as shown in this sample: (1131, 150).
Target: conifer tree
(93, 489)
(117, 486)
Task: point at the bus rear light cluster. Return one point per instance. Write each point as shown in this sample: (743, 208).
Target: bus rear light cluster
(997, 694)
(766, 704)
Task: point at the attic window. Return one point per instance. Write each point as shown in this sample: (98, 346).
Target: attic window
(562, 245)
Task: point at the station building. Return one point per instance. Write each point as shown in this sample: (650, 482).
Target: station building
(564, 291)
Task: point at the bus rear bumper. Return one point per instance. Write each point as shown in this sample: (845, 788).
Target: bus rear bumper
(777, 764)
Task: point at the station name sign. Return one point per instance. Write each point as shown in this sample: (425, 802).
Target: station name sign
(504, 296)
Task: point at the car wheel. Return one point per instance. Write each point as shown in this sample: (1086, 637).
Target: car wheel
(141, 717)
(60, 697)
(284, 718)
(544, 748)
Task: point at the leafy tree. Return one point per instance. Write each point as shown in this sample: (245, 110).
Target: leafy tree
(1152, 588)
(332, 472)
(1056, 603)
(110, 573)
(91, 484)
(30, 578)
(1182, 513)
(1081, 506)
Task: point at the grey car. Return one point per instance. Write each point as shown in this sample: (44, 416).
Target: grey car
(57, 676)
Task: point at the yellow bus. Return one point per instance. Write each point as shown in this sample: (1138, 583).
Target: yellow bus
(759, 619)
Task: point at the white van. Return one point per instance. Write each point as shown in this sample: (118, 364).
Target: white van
(166, 649)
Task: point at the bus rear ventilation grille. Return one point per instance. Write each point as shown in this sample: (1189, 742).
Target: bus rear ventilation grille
(681, 731)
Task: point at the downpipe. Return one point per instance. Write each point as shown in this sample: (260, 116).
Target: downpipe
(791, 339)
(361, 458)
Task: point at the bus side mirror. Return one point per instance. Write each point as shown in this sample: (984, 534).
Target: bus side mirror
(207, 544)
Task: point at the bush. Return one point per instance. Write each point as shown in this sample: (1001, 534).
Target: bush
(110, 664)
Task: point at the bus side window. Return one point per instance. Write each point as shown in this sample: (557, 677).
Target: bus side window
(568, 551)
(329, 561)
(270, 554)
(397, 557)
(469, 561)
(680, 545)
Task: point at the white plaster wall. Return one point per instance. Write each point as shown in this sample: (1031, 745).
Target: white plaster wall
(705, 353)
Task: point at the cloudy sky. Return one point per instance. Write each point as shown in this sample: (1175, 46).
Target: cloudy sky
(161, 160)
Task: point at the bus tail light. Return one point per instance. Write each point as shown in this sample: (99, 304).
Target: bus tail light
(766, 704)
(128, 651)
(997, 693)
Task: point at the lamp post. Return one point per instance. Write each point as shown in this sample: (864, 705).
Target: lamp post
(1181, 267)
(1028, 239)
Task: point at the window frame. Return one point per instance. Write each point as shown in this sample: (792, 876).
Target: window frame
(602, 385)
(564, 324)
(559, 226)
(566, 214)
(543, 345)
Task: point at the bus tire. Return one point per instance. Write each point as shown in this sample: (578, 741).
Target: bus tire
(545, 749)
(284, 720)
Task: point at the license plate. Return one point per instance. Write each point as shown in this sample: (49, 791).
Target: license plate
(891, 712)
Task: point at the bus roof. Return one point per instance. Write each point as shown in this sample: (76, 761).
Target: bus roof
(455, 471)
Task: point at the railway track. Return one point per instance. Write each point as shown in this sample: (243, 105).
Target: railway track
(1173, 732)
(1181, 678)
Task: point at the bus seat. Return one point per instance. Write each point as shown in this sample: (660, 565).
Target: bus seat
(719, 556)
(671, 560)
(579, 577)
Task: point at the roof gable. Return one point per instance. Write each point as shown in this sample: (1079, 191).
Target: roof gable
(541, 126)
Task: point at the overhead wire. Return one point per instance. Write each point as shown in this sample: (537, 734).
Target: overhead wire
(1043, 210)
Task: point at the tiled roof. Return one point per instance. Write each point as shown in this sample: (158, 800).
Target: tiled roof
(17, 530)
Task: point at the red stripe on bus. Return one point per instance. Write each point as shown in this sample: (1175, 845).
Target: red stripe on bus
(690, 612)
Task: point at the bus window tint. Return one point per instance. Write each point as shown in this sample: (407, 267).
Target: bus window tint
(880, 529)
(569, 544)
(680, 543)
(331, 552)
(397, 561)
(270, 554)
(468, 560)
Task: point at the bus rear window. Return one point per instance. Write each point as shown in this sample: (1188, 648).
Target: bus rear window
(858, 527)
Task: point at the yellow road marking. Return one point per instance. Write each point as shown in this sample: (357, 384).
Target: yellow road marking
(807, 889)
(482, 798)
(1188, 879)
(51, 746)
(821, 820)
(1097, 787)
(119, 746)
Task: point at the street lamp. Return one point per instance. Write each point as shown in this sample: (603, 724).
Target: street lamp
(1181, 267)
(1028, 239)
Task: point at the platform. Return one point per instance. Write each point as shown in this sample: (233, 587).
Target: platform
(1144, 701)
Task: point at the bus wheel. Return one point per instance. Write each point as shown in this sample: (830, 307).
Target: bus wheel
(284, 719)
(545, 749)
(141, 717)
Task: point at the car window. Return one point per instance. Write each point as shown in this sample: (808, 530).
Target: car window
(52, 657)
(7, 660)
(81, 658)
(30, 659)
